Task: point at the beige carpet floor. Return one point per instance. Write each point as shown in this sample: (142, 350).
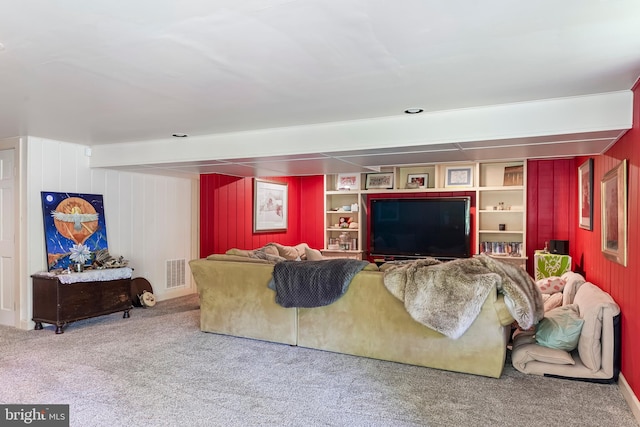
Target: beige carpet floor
(158, 369)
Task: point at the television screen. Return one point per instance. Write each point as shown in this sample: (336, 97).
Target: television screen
(421, 227)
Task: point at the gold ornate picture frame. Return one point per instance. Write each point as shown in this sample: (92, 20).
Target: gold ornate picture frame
(614, 214)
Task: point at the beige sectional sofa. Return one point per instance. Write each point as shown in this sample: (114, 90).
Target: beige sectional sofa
(366, 321)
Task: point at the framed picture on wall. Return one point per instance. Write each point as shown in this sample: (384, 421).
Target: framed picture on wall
(270, 206)
(418, 180)
(74, 228)
(348, 181)
(613, 190)
(459, 176)
(585, 195)
(379, 181)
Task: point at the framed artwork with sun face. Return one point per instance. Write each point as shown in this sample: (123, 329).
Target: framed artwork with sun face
(74, 228)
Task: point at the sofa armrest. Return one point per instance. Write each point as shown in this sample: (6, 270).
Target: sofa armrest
(504, 317)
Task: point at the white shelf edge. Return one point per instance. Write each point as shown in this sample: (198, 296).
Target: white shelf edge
(499, 256)
(501, 188)
(502, 231)
(502, 211)
(342, 192)
(419, 190)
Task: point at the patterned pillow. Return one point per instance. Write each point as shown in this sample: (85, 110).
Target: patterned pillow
(551, 285)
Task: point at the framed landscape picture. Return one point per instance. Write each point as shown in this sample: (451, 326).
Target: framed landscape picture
(270, 206)
(614, 214)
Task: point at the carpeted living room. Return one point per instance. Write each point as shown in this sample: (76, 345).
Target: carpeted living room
(320, 213)
(158, 369)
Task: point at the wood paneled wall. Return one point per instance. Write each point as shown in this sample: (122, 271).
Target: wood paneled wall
(621, 282)
(226, 213)
(551, 204)
(149, 218)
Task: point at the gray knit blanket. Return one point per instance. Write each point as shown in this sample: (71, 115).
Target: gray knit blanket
(448, 296)
(313, 283)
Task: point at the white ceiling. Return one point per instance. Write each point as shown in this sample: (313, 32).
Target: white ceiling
(104, 72)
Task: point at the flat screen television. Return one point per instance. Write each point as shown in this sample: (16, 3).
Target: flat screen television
(420, 227)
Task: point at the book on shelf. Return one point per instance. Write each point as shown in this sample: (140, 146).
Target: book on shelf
(501, 248)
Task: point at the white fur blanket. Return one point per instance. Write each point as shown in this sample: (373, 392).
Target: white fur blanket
(447, 297)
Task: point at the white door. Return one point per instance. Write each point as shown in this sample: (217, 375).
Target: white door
(7, 242)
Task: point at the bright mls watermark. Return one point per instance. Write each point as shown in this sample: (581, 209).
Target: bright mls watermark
(34, 415)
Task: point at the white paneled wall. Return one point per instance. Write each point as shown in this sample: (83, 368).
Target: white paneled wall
(149, 218)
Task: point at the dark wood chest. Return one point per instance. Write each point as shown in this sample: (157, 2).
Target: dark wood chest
(60, 303)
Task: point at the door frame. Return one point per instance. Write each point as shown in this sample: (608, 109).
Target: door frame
(17, 145)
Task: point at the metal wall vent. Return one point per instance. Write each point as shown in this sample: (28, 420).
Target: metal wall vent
(175, 273)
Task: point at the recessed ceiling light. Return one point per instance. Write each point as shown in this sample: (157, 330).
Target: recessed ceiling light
(180, 135)
(413, 110)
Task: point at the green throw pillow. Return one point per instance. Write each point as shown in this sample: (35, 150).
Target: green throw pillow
(560, 328)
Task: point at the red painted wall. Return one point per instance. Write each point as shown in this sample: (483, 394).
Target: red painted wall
(621, 282)
(551, 204)
(226, 213)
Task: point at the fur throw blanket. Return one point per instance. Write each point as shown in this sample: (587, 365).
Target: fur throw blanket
(448, 296)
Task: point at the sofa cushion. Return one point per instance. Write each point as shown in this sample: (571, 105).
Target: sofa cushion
(313, 255)
(236, 258)
(271, 249)
(550, 285)
(300, 249)
(573, 281)
(591, 302)
(371, 267)
(526, 350)
(286, 252)
(552, 301)
(238, 252)
(560, 328)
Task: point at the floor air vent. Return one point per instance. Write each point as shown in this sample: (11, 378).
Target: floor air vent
(175, 273)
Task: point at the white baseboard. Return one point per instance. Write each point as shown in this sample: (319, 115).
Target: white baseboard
(630, 397)
(174, 293)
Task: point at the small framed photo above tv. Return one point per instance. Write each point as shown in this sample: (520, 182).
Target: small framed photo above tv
(459, 176)
(379, 181)
(348, 181)
(418, 180)
(513, 175)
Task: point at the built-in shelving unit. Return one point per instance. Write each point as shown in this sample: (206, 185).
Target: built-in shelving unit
(342, 217)
(500, 208)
